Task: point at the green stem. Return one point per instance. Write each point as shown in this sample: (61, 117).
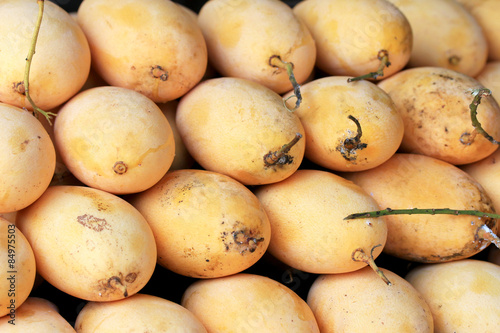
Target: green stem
(483, 232)
(349, 146)
(383, 56)
(427, 211)
(360, 255)
(29, 60)
(276, 61)
(467, 138)
(279, 156)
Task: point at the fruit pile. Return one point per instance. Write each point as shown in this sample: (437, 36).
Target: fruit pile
(250, 165)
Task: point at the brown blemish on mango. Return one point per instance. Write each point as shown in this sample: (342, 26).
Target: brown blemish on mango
(19, 141)
(110, 285)
(131, 277)
(96, 201)
(93, 223)
(243, 240)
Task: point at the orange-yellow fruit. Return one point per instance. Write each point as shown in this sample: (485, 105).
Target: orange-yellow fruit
(350, 34)
(243, 35)
(489, 77)
(333, 139)
(487, 173)
(60, 65)
(18, 270)
(233, 126)
(445, 35)
(409, 181)
(309, 232)
(247, 303)
(361, 302)
(28, 158)
(138, 313)
(89, 243)
(486, 14)
(435, 105)
(464, 295)
(154, 47)
(36, 315)
(114, 139)
(205, 224)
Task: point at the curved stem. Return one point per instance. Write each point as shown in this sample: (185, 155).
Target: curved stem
(349, 146)
(29, 60)
(383, 56)
(468, 138)
(360, 255)
(278, 157)
(355, 142)
(276, 61)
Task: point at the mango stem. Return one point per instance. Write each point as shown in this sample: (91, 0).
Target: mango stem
(468, 138)
(280, 156)
(427, 211)
(276, 61)
(350, 145)
(29, 60)
(383, 56)
(359, 255)
(483, 232)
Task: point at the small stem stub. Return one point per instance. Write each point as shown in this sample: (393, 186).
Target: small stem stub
(467, 138)
(19, 87)
(280, 156)
(361, 256)
(159, 73)
(349, 146)
(29, 59)
(454, 60)
(383, 56)
(120, 167)
(277, 62)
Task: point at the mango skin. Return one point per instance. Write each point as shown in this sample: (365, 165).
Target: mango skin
(434, 103)
(417, 181)
(229, 125)
(61, 63)
(349, 35)
(360, 301)
(327, 104)
(154, 47)
(463, 295)
(206, 225)
(105, 248)
(445, 35)
(239, 47)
